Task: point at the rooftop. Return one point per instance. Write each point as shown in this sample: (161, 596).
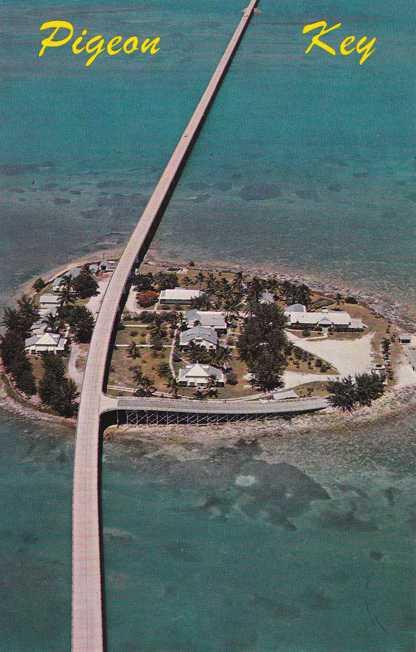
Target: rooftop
(179, 294)
(199, 332)
(207, 318)
(46, 299)
(197, 370)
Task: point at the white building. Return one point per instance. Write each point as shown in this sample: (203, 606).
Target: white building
(179, 296)
(207, 319)
(199, 375)
(46, 343)
(206, 337)
(296, 307)
(49, 301)
(336, 319)
(108, 265)
(60, 280)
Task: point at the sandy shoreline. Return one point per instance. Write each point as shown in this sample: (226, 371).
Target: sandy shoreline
(393, 404)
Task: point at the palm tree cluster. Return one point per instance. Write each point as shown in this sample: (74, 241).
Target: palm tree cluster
(350, 393)
(219, 357)
(296, 293)
(18, 322)
(55, 389)
(144, 385)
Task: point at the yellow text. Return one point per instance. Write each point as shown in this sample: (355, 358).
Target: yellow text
(62, 33)
(364, 46)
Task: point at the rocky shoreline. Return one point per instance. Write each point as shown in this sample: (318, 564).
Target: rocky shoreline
(394, 403)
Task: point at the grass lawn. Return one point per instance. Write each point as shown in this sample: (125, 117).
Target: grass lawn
(315, 389)
(122, 365)
(37, 365)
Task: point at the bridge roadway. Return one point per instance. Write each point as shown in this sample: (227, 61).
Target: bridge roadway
(214, 407)
(88, 632)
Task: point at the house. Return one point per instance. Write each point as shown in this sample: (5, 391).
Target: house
(335, 319)
(46, 343)
(108, 265)
(405, 338)
(38, 328)
(199, 375)
(296, 307)
(411, 354)
(206, 337)
(49, 301)
(94, 268)
(60, 280)
(179, 296)
(266, 297)
(207, 319)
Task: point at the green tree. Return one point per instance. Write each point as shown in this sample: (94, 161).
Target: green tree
(368, 387)
(28, 309)
(52, 322)
(144, 282)
(134, 351)
(267, 371)
(85, 285)
(144, 385)
(173, 385)
(166, 280)
(342, 394)
(264, 330)
(39, 284)
(66, 294)
(81, 321)
(55, 390)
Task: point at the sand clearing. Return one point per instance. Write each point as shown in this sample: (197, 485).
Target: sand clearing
(94, 303)
(295, 378)
(348, 356)
(405, 374)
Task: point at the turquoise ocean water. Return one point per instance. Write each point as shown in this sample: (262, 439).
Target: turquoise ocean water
(304, 162)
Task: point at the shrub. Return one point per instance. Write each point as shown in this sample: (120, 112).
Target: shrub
(39, 284)
(147, 298)
(232, 378)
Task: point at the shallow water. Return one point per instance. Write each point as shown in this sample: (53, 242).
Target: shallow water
(313, 551)
(305, 162)
(304, 551)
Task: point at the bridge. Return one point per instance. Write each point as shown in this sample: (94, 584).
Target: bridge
(88, 631)
(162, 411)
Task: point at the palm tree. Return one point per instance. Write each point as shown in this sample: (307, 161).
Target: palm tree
(28, 308)
(212, 386)
(137, 374)
(173, 385)
(200, 278)
(66, 294)
(69, 399)
(51, 322)
(224, 355)
(144, 385)
(134, 351)
(11, 319)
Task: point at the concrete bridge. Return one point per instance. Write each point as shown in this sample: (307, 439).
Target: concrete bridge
(88, 631)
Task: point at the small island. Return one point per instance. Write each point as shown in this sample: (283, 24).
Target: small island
(205, 334)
